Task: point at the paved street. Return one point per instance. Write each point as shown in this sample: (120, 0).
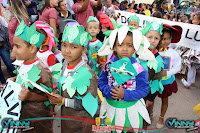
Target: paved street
(180, 105)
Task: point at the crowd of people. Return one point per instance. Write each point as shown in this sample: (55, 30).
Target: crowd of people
(80, 52)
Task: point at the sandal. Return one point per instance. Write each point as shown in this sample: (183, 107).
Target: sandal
(158, 125)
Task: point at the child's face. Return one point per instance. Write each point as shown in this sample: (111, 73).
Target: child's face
(45, 34)
(154, 38)
(166, 40)
(134, 23)
(93, 28)
(63, 6)
(104, 28)
(108, 2)
(125, 49)
(21, 50)
(72, 51)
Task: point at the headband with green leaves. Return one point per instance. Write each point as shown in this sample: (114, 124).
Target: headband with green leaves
(154, 25)
(76, 34)
(29, 34)
(134, 17)
(91, 18)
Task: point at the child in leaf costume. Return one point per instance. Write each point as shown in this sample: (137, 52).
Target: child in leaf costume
(45, 53)
(123, 81)
(26, 43)
(153, 32)
(77, 82)
(134, 21)
(94, 45)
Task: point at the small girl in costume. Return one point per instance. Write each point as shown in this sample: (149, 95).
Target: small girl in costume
(45, 54)
(134, 21)
(78, 93)
(27, 41)
(94, 44)
(108, 25)
(153, 32)
(172, 65)
(123, 81)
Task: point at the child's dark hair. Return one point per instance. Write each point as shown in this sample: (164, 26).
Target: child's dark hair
(157, 14)
(59, 2)
(168, 16)
(128, 34)
(167, 30)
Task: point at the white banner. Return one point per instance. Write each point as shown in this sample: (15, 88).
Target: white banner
(190, 35)
(10, 106)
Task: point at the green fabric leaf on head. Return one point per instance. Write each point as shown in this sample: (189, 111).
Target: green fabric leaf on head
(67, 85)
(35, 39)
(82, 80)
(30, 32)
(83, 38)
(75, 32)
(90, 104)
(66, 31)
(20, 28)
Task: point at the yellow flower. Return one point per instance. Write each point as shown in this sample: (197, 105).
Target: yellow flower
(197, 108)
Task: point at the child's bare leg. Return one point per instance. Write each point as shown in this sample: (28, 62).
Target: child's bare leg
(163, 111)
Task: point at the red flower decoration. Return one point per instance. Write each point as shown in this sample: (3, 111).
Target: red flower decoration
(96, 47)
(105, 20)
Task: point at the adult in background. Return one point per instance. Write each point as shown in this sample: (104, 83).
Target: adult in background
(19, 12)
(164, 8)
(146, 10)
(123, 5)
(154, 8)
(130, 8)
(31, 7)
(49, 14)
(83, 9)
(171, 8)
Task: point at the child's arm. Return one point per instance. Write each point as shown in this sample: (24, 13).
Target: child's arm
(97, 3)
(83, 7)
(72, 103)
(176, 65)
(26, 95)
(142, 88)
(103, 85)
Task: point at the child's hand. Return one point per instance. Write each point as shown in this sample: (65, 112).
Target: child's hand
(55, 98)
(164, 73)
(117, 92)
(149, 103)
(24, 94)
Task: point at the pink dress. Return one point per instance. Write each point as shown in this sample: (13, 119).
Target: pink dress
(82, 17)
(49, 13)
(12, 26)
